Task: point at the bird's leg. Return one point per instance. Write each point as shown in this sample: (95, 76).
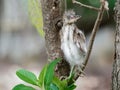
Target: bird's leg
(71, 72)
(70, 79)
(80, 69)
(70, 75)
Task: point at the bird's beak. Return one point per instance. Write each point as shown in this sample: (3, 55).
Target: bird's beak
(77, 17)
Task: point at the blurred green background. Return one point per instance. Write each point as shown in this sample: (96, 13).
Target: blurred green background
(22, 47)
(89, 16)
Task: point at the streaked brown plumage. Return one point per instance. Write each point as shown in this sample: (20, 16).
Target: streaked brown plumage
(73, 41)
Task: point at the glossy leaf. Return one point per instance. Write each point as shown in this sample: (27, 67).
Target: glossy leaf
(60, 84)
(27, 76)
(50, 72)
(23, 87)
(42, 75)
(53, 87)
(71, 87)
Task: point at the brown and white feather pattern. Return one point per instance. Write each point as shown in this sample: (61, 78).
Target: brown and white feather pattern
(79, 40)
(73, 44)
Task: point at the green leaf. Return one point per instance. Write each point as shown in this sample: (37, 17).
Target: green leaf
(60, 84)
(27, 76)
(50, 72)
(35, 14)
(63, 85)
(42, 76)
(71, 87)
(22, 87)
(53, 87)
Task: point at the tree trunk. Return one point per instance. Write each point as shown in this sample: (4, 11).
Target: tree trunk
(52, 15)
(116, 65)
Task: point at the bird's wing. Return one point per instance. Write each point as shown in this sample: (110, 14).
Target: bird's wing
(79, 40)
(61, 35)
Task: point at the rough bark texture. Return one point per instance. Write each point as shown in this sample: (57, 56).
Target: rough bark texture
(52, 14)
(116, 65)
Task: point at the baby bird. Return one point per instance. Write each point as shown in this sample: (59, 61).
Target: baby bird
(73, 41)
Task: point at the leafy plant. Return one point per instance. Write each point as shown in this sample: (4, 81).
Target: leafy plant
(46, 80)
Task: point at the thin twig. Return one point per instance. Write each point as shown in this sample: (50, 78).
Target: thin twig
(86, 6)
(96, 27)
(92, 37)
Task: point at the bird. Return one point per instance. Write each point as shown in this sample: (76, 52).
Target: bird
(73, 42)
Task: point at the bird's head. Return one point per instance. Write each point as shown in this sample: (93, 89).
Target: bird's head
(70, 17)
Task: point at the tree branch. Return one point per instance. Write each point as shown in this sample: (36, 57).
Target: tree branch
(86, 6)
(92, 37)
(96, 27)
(116, 63)
(52, 11)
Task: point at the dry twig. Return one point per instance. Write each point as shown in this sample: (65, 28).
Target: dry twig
(86, 6)
(92, 37)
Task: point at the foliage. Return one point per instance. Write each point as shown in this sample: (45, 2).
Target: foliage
(46, 80)
(35, 14)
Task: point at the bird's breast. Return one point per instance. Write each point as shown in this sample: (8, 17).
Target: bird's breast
(70, 49)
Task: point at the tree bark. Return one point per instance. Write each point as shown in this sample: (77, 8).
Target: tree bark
(116, 64)
(52, 15)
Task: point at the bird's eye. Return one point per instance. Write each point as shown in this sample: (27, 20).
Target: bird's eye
(72, 16)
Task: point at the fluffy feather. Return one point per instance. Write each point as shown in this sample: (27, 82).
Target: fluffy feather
(73, 42)
(73, 48)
